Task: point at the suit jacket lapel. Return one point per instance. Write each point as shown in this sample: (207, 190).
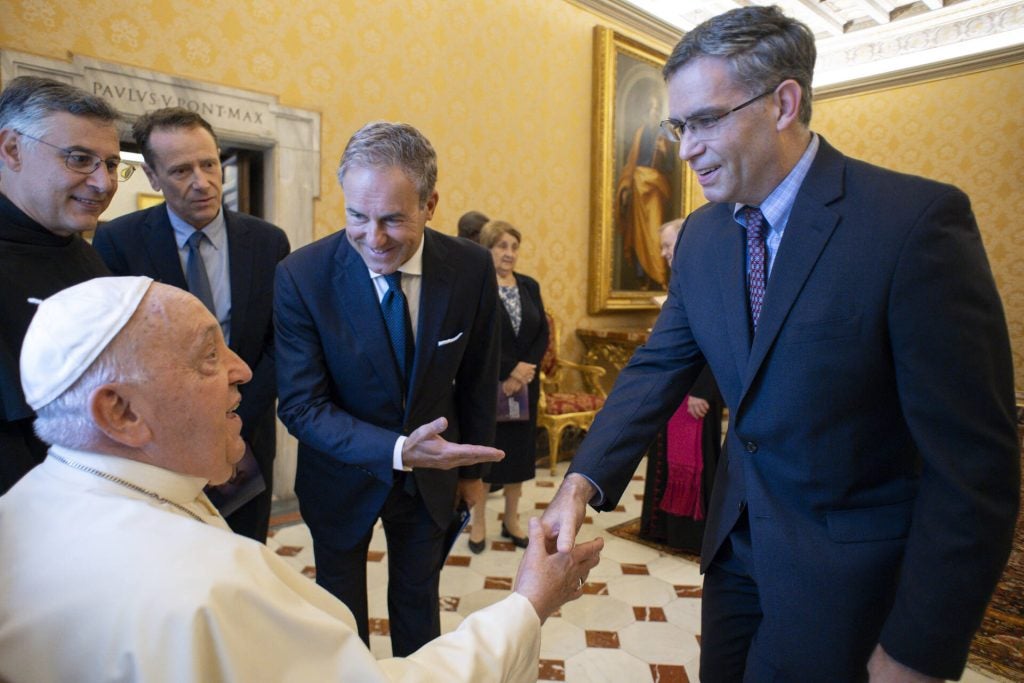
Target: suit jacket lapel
(810, 226)
(435, 298)
(162, 249)
(241, 262)
(362, 308)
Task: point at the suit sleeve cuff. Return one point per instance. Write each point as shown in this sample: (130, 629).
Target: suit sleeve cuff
(396, 455)
(598, 498)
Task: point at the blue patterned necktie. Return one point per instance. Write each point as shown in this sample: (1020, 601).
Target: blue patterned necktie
(396, 319)
(198, 281)
(757, 256)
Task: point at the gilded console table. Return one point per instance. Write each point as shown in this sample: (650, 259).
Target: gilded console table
(610, 348)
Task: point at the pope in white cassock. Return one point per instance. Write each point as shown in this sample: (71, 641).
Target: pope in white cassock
(117, 568)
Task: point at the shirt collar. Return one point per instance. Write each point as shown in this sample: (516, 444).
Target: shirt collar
(414, 266)
(174, 486)
(214, 230)
(779, 203)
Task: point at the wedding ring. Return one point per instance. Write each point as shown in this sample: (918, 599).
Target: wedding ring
(579, 586)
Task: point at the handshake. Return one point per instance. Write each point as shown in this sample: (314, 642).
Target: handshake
(548, 578)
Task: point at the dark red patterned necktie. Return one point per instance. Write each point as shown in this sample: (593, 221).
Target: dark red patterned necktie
(757, 256)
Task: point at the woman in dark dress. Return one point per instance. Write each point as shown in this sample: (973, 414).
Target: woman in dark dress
(524, 338)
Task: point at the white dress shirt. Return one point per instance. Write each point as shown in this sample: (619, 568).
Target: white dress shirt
(412, 281)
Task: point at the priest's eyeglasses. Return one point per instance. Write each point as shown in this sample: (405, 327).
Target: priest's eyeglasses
(706, 126)
(86, 163)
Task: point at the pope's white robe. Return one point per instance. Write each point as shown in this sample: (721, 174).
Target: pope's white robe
(102, 583)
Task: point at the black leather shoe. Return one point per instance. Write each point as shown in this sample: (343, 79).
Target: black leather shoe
(517, 541)
(477, 547)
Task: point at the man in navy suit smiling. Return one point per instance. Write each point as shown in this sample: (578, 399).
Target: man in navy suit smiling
(387, 363)
(864, 505)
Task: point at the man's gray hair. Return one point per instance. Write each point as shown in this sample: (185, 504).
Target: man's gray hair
(382, 144)
(67, 420)
(763, 45)
(28, 101)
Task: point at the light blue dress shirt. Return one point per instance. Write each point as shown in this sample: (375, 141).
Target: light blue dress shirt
(214, 250)
(779, 204)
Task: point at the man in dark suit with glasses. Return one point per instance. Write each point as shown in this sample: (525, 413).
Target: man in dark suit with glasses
(864, 505)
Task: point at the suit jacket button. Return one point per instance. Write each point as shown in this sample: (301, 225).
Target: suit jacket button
(751, 447)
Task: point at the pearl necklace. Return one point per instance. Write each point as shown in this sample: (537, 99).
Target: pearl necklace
(126, 484)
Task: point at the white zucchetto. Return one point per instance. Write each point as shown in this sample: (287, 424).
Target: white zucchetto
(70, 330)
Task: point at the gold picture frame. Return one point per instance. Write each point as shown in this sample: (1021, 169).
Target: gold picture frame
(144, 200)
(637, 180)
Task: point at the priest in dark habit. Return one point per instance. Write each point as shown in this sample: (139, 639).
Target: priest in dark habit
(59, 168)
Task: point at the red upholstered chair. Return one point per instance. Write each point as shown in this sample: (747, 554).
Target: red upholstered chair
(558, 408)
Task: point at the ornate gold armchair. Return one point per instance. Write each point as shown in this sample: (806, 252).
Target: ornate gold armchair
(558, 408)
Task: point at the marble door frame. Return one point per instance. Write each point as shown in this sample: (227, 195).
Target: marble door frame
(288, 137)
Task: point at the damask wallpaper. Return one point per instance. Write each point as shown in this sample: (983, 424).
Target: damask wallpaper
(503, 90)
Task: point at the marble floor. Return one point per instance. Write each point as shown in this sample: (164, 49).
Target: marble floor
(638, 620)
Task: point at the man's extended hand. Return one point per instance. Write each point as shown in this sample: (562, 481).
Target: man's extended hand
(565, 512)
(549, 579)
(425, 448)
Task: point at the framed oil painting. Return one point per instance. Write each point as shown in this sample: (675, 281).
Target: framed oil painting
(637, 180)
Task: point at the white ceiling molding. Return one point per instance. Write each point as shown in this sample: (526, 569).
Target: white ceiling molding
(938, 70)
(643, 22)
(832, 19)
(879, 14)
(858, 40)
(959, 31)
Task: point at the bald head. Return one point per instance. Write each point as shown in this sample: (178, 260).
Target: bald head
(668, 234)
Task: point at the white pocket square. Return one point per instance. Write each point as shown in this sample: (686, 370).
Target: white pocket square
(449, 341)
